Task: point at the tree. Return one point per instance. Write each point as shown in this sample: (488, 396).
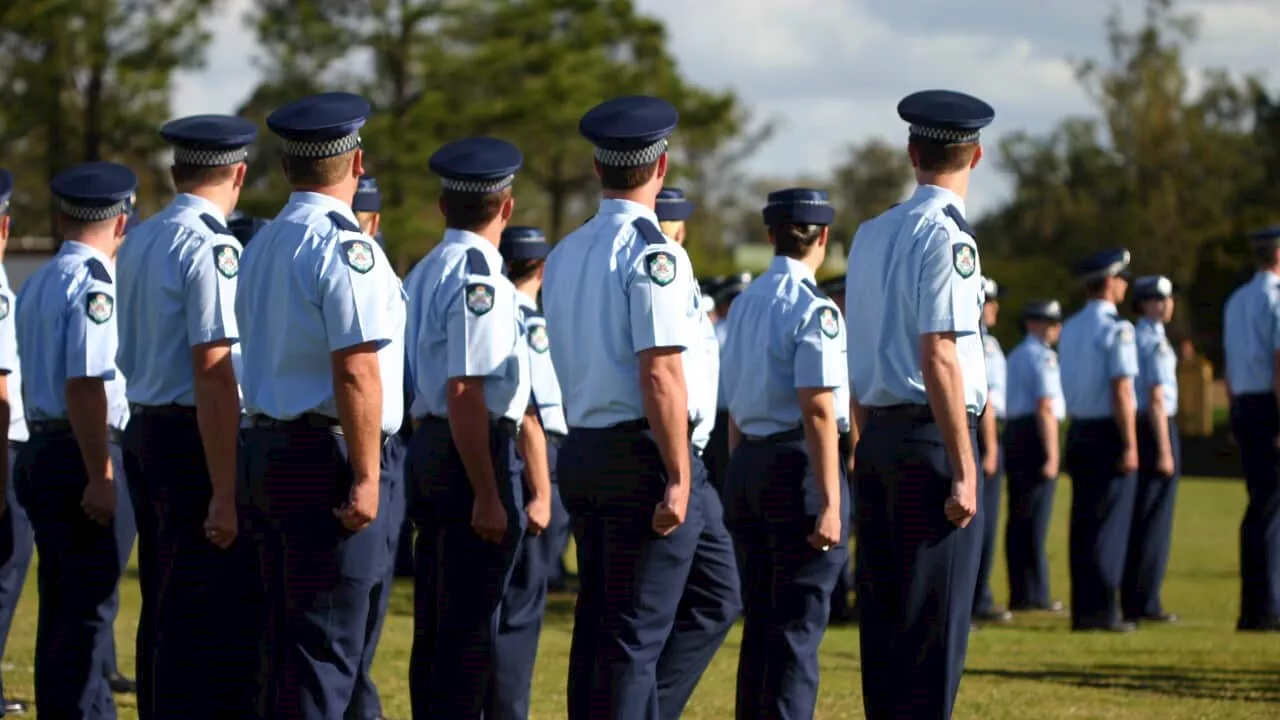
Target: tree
(872, 178)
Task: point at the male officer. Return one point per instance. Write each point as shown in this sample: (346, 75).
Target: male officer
(1099, 363)
(321, 318)
(918, 389)
(16, 543)
(786, 495)
(524, 251)
(985, 609)
(177, 284)
(476, 431)
(1035, 409)
(1251, 339)
(69, 476)
(621, 301)
(1159, 455)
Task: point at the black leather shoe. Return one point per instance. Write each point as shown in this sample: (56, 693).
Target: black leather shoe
(121, 685)
(994, 616)
(14, 707)
(1269, 624)
(1119, 627)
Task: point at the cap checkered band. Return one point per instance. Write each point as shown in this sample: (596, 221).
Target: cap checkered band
(208, 158)
(477, 186)
(93, 214)
(318, 150)
(791, 203)
(527, 239)
(944, 135)
(672, 200)
(631, 158)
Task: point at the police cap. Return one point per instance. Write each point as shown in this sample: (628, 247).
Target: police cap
(476, 165)
(945, 116)
(629, 131)
(523, 243)
(672, 205)
(209, 140)
(1104, 264)
(320, 126)
(367, 197)
(1046, 310)
(94, 191)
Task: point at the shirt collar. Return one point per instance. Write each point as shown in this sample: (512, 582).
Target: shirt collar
(199, 205)
(325, 203)
(470, 239)
(924, 193)
(1151, 325)
(75, 247)
(1103, 306)
(790, 266)
(616, 206)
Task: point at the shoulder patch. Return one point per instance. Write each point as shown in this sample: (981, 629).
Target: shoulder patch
(1051, 360)
(479, 298)
(538, 339)
(813, 288)
(1164, 348)
(98, 271)
(476, 262)
(953, 212)
(217, 227)
(649, 232)
(661, 267)
(99, 306)
(828, 322)
(964, 259)
(227, 259)
(4, 306)
(359, 255)
(342, 221)
(1125, 334)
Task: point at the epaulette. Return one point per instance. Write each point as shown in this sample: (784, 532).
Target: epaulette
(217, 227)
(527, 313)
(343, 222)
(476, 262)
(648, 231)
(98, 271)
(952, 212)
(813, 288)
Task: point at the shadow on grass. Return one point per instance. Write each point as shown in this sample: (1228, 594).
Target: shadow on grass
(1254, 685)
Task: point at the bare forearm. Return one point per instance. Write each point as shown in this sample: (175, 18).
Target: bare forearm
(1125, 411)
(533, 448)
(87, 413)
(357, 390)
(1047, 424)
(944, 385)
(821, 435)
(5, 417)
(666, 406)
(469, 427)
(1159, 417)
(218, 417)
(988, 427)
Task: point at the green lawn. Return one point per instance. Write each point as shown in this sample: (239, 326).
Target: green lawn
(1034, 669)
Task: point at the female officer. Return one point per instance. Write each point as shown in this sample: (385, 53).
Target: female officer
(785, 495)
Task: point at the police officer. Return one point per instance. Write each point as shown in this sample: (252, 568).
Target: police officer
(321, 318)
(655, 601)
(717, 453)
(918, 388)
(1159, 455)
(985, 609)
(244, 227)
(16, 543)
(69, 475)
(524, 251)
(177, 283)
(1099, 363)
(1251, 339)
(841, 612)
(786, 495)
(1031, 440)
(470, 368)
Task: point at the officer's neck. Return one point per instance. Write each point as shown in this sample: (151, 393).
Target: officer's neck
(956, 182)
(222, 197)
(104, 241)
(644, 195)
(343, 192)
(491, 232)
(530, 287)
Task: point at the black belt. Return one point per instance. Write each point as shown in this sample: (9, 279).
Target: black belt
(62, 428)
(909, 411)
(305, 420)
(505, 423)
(786, 436)
(638, 425)
(171, 411)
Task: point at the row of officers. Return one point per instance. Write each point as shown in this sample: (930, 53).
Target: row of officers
(281, 394)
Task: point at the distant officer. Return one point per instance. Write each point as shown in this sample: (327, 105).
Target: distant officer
(841, 612)
(470, 367)
(1099, 364)
(321, 318)
(1031, 440)
(919, 384)
(524, 251)
(621, 305)
(717, 452)
(1251, 340)
(16, 542)
(786, 495)
(1159, 455)
(985, 609)
(177, 283)
(69, 476)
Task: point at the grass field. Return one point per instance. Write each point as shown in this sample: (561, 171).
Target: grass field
(1035, 668)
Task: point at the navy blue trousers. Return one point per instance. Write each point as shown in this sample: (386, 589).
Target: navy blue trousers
(1151, 533)
(847, 580)
(651, 611)
(555, 541)
(1101, 515)
(461, 579)
(1030, 508)
(716, 454)
(919, 569)
(16, 545)
(1255, 424)
(78, 574)
(316, 574)
(126, 530)
(197, 638)
(770, 499)
(988, 505)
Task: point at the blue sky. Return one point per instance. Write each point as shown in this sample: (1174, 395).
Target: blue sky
(830, 72)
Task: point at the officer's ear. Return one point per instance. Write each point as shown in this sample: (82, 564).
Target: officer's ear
(4, 232)
(374, 221)
(242, 170)
(824, 235)
(977, 158)
(120, 222)
(662, 167)
(357, 163)
(508, 208)
(913, 153)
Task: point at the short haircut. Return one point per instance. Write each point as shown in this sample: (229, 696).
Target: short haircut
(1265, 255)
(937, 157)
(795, 241)
(472, 211)
(518, 270)
(1096, 285)
(626, 178)
(195, 175)
(318, 172)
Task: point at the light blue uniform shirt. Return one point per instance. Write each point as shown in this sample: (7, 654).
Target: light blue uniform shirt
(66, 323)
(721, 328)
(1033, 375)
(312, 284)
(783, 336)
(542, 373)
(997, 371)
(1097, 346)
(9, 365)
(702, 377)
(1251, 335)
(914, 270)
(464, 321)
(611, 292)
(177, 283)
(1157, 366)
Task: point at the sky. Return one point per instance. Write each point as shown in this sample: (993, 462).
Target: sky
(830, 72)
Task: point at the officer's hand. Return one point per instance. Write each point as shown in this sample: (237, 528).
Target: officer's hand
(221, 525)
(826, 530)
(990, 463)
(1049, 471)
(489, 518)
(1164, 465)
(99, 500)
(539, 512)
(362, 506)
(1129, 460)
(670, 513)
(962, 506)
